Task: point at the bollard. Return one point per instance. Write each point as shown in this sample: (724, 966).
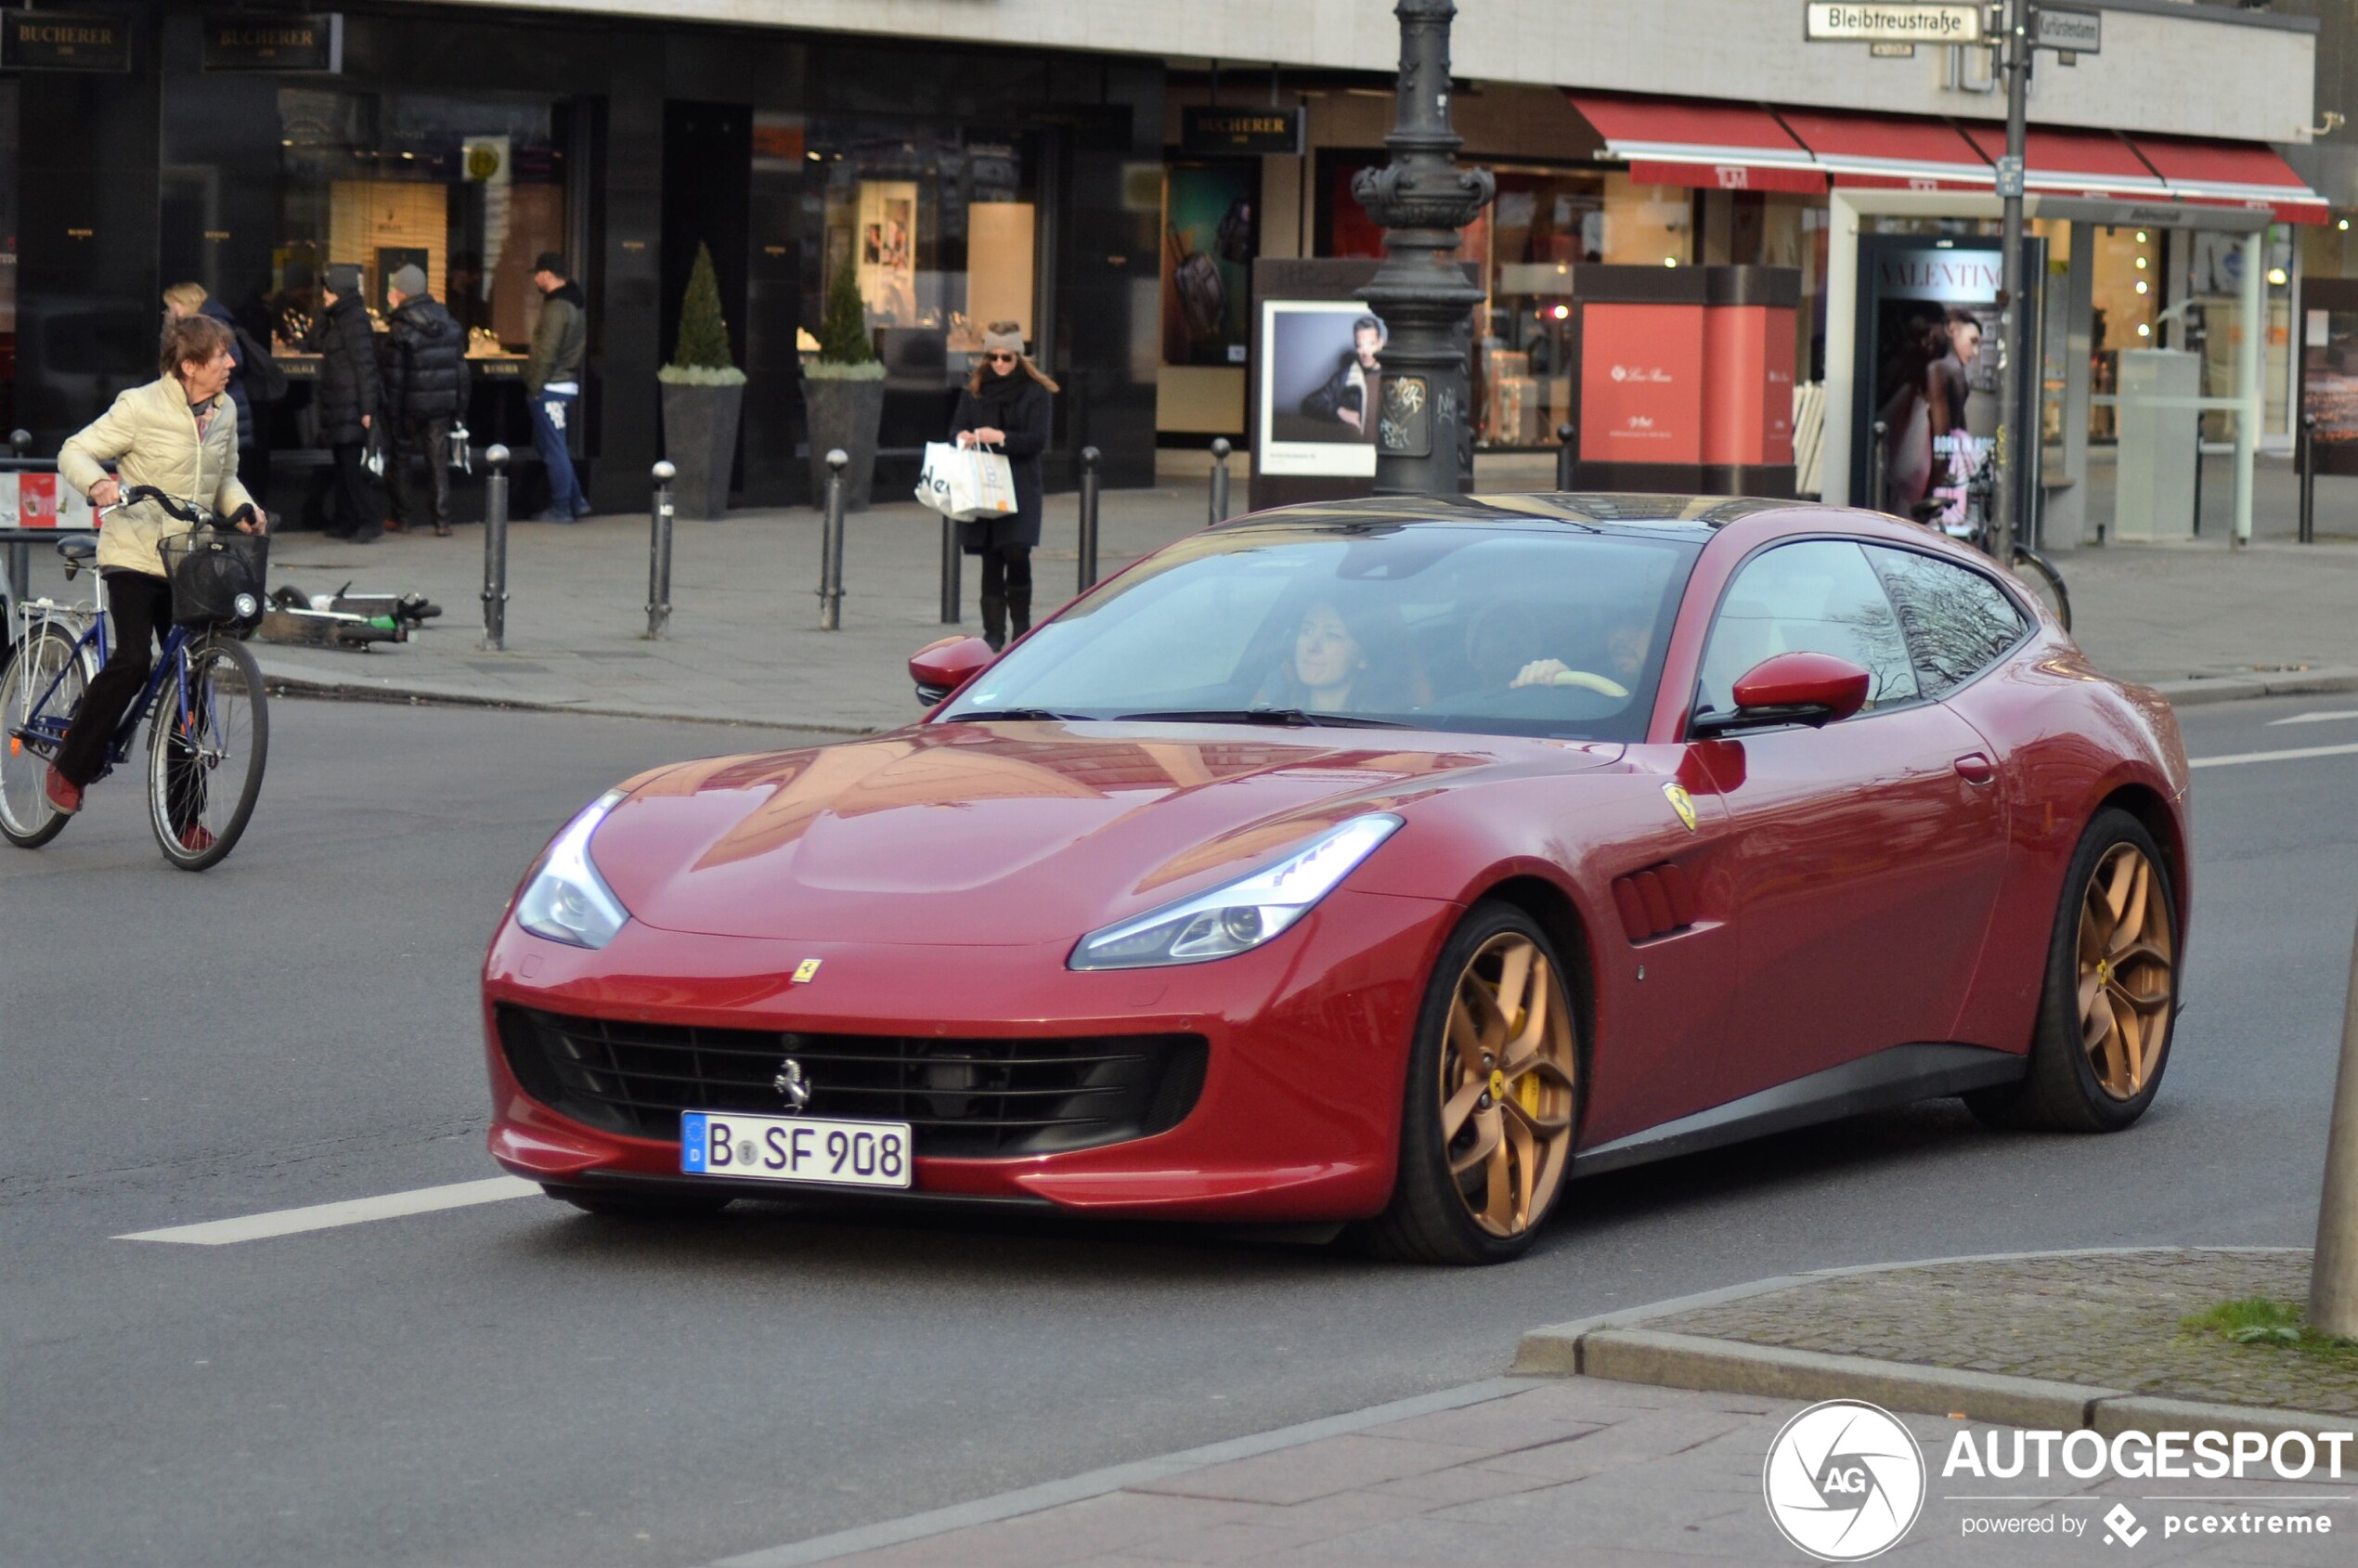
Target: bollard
(1564, 459)
(1877, 457)
(659, 553)
(951, 591)
(1220, 450)
(20, 442)
(831, 545)
(495, 549)
(2308, 479)
(1088, 519)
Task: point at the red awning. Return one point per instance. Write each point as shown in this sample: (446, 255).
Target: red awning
(1699, 142)
(2067, 162)
(1890, 151)
(2232, 174)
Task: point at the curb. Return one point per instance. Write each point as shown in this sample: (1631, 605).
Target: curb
(1616, 1346)
(430, 696)
(2202, 690)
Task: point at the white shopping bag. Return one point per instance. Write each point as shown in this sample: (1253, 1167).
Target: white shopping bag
(962, 483)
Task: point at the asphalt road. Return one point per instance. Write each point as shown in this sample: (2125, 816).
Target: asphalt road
(515, 1383)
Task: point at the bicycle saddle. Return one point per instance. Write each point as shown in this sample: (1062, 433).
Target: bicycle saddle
(78, 550)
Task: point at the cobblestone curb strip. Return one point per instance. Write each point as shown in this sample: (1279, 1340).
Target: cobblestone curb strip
(1724, 1340)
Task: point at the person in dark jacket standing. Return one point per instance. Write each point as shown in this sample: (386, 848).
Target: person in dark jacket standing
(425, 390)
(1007, 407)
(348, 397)
(552, 383)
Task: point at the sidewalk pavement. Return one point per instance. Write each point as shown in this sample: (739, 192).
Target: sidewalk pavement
(743, 644)
(1658, 1463)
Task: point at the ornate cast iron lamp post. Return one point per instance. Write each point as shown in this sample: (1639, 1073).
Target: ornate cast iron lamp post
(1422, 198)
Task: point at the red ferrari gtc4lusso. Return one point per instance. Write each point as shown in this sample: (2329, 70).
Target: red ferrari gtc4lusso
(1390, 862)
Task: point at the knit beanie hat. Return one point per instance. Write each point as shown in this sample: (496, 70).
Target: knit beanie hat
(342, 277)
(411, 280)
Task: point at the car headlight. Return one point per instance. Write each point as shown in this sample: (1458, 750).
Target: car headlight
(566, 901)
(1241, 915)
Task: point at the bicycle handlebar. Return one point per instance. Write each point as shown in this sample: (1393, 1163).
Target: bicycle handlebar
(189, 512)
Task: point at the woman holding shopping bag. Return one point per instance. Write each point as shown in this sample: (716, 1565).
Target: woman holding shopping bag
(1006, 408)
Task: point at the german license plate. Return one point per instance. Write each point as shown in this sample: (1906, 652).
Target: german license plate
(807, 1149)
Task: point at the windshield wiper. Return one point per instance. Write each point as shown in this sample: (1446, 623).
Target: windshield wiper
(1290, 717)
(1019, 713)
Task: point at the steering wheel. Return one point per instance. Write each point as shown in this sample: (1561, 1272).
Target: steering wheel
(1588, 680)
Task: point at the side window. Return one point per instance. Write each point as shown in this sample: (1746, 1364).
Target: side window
(1958, 622)
(1820, 597)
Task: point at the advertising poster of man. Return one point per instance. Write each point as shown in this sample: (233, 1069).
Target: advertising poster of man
(1320, 386)
(1933, 309)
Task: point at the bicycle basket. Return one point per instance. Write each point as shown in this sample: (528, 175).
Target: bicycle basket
(216, 578)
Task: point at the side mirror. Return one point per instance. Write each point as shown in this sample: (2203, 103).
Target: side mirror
(940, 668)
(1812, 689)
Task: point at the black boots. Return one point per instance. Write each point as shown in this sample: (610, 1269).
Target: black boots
(1018, 610)
(994, 620)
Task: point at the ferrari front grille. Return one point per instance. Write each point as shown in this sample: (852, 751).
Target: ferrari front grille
(961, 1097)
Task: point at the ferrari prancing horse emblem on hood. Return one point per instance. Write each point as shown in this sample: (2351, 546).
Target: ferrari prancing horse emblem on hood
(808, 970)
(1683, 803)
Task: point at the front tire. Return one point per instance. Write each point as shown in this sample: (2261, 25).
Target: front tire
(1493, 1097)
(205, 762)
(2110, 1002)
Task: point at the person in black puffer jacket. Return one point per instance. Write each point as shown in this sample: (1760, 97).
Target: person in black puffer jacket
(425, 391)
(348, 397)
(1007, 406)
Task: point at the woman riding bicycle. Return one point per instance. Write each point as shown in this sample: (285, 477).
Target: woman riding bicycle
(179, 435)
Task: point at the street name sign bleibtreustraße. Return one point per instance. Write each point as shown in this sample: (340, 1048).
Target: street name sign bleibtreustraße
(1890, 23)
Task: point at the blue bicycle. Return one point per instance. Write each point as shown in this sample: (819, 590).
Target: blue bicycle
(208, 720)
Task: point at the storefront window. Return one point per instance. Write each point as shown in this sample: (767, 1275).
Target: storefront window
(942, 226)
(2125, 296)
(7, 254)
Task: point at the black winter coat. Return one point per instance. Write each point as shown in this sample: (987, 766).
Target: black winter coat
(347, 348)
(424, 362)
(238, 395)
(1027, 418)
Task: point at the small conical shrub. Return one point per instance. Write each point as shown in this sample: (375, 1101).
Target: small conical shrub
(704, 332)
(843, 331)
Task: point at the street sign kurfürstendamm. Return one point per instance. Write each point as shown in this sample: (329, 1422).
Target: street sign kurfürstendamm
(1884, 22)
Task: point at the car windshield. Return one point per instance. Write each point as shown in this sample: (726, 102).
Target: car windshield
(1543, 629)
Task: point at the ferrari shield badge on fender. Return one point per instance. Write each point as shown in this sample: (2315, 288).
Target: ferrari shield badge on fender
(1680, 802)
(808, 970)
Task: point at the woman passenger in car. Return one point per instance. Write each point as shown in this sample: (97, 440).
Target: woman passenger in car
(1355, 659)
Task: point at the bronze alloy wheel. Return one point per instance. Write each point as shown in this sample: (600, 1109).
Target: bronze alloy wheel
(2125, 971)
(1506, 1093)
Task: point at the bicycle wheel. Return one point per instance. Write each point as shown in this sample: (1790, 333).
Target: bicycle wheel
(2039, 574)
(207, 741)
(26, 819)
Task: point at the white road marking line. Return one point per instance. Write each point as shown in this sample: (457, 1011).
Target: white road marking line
(2293, 755)
(2314, 718)
(352, 1212)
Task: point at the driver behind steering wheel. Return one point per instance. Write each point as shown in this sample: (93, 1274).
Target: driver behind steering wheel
(1626, 647)
(179, 434)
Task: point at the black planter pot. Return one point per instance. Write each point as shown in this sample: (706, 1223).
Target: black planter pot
(845, 414)
(700, 438)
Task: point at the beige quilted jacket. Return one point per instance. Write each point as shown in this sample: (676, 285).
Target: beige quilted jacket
(152, 435)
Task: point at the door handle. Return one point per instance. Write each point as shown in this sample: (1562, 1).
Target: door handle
(1975, 769)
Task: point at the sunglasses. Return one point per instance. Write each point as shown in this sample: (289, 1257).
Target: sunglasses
(1002, 358)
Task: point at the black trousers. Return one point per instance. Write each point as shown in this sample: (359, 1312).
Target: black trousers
(1006, 570)
(355, 513)
(140, 608)
(407, 439)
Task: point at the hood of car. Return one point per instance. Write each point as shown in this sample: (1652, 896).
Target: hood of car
(1005, 834)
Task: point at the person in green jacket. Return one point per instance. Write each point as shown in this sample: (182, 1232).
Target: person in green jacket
(552, 383)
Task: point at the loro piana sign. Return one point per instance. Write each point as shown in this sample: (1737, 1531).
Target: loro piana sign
(1891, 24)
